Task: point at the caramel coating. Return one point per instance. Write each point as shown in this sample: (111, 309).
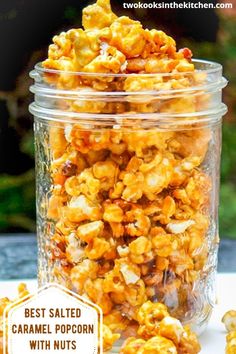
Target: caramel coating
(155, 345)
(231, 343)
(160, 333)
(130, 203)
(230, 325)
(229, 320)
(4, 302)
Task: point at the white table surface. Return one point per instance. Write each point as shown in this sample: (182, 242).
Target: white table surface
(212, 340)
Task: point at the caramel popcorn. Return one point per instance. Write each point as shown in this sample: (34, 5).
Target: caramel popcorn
(129, 204)
(140, 250)
(115, 321)
(98, 15)
(229, 320)
(4, 302)
(155, 345)
(109, 338)
(159, 345)
(132, 346)
(231, 343)
(149, 316)
(160, 333)
(230, 325)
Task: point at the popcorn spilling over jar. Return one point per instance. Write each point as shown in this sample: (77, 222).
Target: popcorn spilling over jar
(128, 139)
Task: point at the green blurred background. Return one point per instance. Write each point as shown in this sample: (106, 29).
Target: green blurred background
(26, 28)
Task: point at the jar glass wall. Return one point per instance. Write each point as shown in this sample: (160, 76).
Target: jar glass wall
(127, 188)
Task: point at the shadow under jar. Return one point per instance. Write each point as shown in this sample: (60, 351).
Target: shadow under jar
(127, 188)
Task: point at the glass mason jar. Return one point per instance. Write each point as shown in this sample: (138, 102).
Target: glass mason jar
(127, 188)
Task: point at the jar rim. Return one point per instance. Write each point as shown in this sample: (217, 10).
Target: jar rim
(213, 67)
(212, 70)
(46, 94)
(205, 117)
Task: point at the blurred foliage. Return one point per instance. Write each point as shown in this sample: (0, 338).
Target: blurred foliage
(17, 199)
(17, 202)
(224, 52)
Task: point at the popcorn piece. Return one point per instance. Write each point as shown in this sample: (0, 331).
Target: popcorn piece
(149, 317)
(138, 141)
(55, 204)
(151, 64)
(85, 46)
(115, 321)
(168, 208)
(89, 231)
(193, 142)
(88, 185)
(113, 213)
(140, 245)
(189, 343)
(4, 302)
(98, 15)
(116, 191)
(229, 320)
(97, 248)
(114, 281)
(140, 250)
(80, 209)
(111, 61)
(133, 183)
(109, 338)
(162, 263)
(72, 186)
(152, 279)
(84, 141)
(125, 271)
(129, 275)
(231, 343)
(117, 229)
(171, 328)
(94, 290)
(134, 164)
(159, 345)
(74, 251)
(181, 261)
(157, 179)
(132, 346)
(81, 272)
(179, 226)
(135, 294)
(57, 142)
(62, 64)
(161, 42)
(163, 245)
(128, 36)
(123, 251)
(106, 172)
(94, 156)
(61, 48)
(67, 132)
(138, 223)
